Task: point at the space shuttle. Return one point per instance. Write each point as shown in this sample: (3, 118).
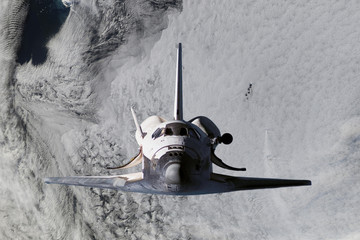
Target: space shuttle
(177, 158)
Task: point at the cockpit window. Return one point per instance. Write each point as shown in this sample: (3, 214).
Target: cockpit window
(168, 131)
(183, 132)
(176, 129)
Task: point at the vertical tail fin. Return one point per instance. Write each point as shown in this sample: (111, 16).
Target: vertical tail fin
(138, 127)
(178, 104)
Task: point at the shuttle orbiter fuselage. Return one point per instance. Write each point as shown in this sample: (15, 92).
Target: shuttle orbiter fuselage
(177, 158)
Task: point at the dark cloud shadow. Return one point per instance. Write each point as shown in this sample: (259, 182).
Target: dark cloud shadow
(44, 20)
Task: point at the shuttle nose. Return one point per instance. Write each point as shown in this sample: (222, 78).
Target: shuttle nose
(173, 174)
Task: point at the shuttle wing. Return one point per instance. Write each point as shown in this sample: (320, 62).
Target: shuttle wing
(112, 182)
(247, 183)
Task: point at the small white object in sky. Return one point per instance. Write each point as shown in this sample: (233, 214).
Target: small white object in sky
(68, 3)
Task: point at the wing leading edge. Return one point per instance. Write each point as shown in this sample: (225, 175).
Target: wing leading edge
(112, 182)
(218, 183)
(247, 183)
